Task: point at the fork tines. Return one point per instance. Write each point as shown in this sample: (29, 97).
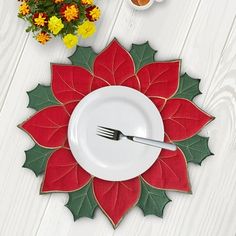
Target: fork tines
(107, 133)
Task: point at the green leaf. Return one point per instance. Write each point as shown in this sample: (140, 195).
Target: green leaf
(41, 97)
(188, 87)
(28, 29)
(142, 54)
(82, 203)
(195, 149)
(36, 159)
(152, 201)
(84, 57)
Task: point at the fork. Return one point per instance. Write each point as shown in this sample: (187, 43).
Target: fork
(116, 135)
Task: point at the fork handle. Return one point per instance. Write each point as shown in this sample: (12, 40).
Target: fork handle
(154, 143)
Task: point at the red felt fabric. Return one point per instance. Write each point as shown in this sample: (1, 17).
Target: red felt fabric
(70, 83)
(169, 172)
(116, 198)
(48, 127)
(159, 79)
(63, 173)
(159, 102)
(114, 64)
(183, 119)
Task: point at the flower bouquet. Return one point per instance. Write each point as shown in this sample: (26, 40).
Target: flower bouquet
(67, 19)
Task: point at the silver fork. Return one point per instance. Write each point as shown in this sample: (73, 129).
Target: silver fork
(116, 135)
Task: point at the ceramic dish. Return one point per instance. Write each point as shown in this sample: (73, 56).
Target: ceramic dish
(122, 108)
(142, 7)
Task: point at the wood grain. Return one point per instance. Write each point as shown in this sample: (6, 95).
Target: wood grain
(12, 42)
(203, 34)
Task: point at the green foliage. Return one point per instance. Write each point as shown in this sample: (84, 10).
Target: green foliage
(142, 54)
(195, 149)
(41, 97)
(36, 159)
(84, 57)
(152, 201)
(188, 87)
(82, 203)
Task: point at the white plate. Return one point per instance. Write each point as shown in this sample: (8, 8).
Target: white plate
(124, 109)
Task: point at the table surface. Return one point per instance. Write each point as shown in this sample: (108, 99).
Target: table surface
(203, 34)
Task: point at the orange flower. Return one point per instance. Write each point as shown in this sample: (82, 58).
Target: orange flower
(87, 2)
(69, 12)
(43, 37)
(24, 9)
(58, 1)
(40, 19)
(93, 13)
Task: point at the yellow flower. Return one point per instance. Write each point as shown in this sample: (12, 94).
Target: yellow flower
(24, 9)
(58, 1)
(43, 37)
(87, 29)
(40, 19)
(93, 13)
(70, 12)
(87, 2)
(70, 40)
(55, 25)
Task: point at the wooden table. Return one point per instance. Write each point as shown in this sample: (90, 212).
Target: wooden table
(203, 34)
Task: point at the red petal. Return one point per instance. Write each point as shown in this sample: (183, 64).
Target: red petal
(66, 145)
(71, 106)
(169, 172)
(116, 198)
(115, 65)
(48, 127)
(63, 173)
(160, 79)
(98, 83)
(70, 83)
(159, 102)
(182, 119)
(132, 82)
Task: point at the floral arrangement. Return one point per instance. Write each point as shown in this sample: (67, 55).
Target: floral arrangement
(67, 19)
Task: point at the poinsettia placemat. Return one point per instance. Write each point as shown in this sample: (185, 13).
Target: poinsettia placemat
(161, 82)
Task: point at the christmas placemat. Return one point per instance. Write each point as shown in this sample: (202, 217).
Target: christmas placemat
(162, 83)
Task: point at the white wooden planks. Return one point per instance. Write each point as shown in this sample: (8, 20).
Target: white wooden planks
(12, 42)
